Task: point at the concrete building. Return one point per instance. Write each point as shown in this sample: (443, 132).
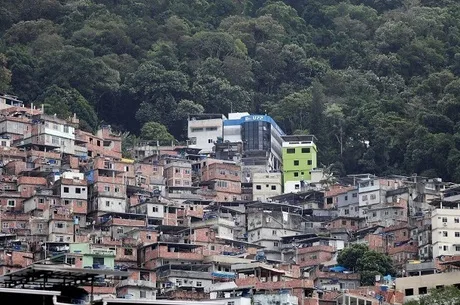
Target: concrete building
(445, 228)
(178, 179)
(266, 185)
(268, 223)
(50, 133)
(204, 130)
(224, 178)
(415, 286)
(299, 159)
(261, 138)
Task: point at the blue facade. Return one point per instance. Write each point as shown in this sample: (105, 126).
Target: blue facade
(251, 118)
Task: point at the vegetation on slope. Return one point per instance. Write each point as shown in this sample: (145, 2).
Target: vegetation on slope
(377, 81)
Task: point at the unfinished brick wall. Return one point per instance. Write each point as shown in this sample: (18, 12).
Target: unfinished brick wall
(161, 251)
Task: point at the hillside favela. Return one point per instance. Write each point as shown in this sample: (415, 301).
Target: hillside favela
(230, 152)
(242, 214)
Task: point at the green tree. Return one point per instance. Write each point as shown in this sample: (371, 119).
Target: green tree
(368, 263)
(155, 132)
(442, 296)
(66, 102)
(5, 74)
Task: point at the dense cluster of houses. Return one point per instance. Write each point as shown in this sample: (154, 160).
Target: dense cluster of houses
(241, 213)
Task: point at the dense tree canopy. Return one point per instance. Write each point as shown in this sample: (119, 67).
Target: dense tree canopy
(368, 263)
(378, 82)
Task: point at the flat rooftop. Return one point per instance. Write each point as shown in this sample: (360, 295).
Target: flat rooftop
(56, 275)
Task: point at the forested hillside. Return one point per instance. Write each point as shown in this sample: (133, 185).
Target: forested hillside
(377, 81)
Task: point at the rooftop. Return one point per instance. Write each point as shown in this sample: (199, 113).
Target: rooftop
(55, 275)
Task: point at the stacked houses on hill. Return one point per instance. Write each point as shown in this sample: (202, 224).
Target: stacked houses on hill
(242, 214)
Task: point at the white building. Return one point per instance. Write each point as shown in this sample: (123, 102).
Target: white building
(266, 185)
(232, 133)
(50, 132)
(204, 130)
(445, 228)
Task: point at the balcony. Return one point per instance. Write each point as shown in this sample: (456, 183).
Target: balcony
(103, 251)
(420, 267)
(137, 283)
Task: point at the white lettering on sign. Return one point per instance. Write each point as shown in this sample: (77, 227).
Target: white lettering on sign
(254, 118)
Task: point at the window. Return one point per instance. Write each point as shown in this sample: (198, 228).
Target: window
(210, 141)
(258, 187)
(66, 189)
(457, 248)
(444, 219)
(117, 190)
(305, 150)
(11, 203)
(373, 196)
(457, 234)
(275, 244)
(231, 303)
(456, 220)
(409, 292)
(347, 211)
(107, 203)
(98, 260)
(155, 209)
(211, 128)
(78, 190)
(199, 284)
(422, 290)
(59, 225)
(296, 162)
(290, 150)
(5, 225)
(296, 186)
(142, 294)
(445, 248)
(444, 234)
(309, 162)
(128, 251)
(273, 187)
(79, 203)
(352, 222)
(66, 202)
(66, 128)
(364, 197)
(70, 260)
(346, 197)
(296, 174)
(149, 237)
(274, 231)
(344, 222)
(41, 200)
(355, 195)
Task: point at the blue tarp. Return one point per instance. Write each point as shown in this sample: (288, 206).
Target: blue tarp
(222, 274)
(338, 269)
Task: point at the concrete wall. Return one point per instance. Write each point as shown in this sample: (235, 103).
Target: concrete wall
(108, 204)
(269, 299)
(203, 133)
(445, 222)
(414, 286)
(266, 185)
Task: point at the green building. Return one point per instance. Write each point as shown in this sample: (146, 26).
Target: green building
(94, 256)
(299, 159)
